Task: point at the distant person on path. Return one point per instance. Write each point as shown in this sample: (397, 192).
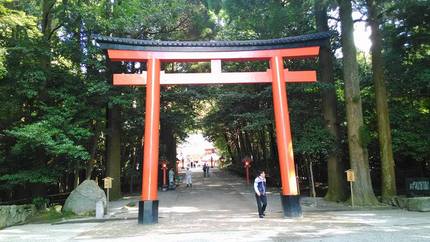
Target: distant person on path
(260, 193)
(171, 178)
(204, 170)
(188, 177)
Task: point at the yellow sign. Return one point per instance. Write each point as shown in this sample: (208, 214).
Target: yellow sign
(108, 182)
(350, 175)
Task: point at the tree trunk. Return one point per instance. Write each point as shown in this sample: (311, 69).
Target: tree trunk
(229, 150)
(76, 175)
(46, 25)
(363, 191)
(248, 143)
(262, 140)
(312, 181)
(93, 152)
(384, 130)
(237, 145)
(168, 143)
(337, 187)
(67, 185)
(171, 148)
(274, 171)
(243, 146)
(273, 149)
(113, 150)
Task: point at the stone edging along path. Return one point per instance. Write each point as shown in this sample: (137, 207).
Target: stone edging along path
(15, 214)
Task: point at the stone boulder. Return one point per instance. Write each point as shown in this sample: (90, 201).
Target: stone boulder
(15, 214)
(83, 199)
(420, 204)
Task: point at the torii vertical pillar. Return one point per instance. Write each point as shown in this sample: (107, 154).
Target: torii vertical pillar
(148, 205)
(289, 196)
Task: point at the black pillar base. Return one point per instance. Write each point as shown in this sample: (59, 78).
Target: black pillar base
(148, 212)
(291, 206)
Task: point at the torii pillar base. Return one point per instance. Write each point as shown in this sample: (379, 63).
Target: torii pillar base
(148, 212)
(291, 206)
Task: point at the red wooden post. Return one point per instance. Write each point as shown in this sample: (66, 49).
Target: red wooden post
(247, 164)
(148, 206)
(289, 196)
(164, 167)
(247, 172)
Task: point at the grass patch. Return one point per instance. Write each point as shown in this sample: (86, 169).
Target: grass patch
(51, 216)
(131, 204)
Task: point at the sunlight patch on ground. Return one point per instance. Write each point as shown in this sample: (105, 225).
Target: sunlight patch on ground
(179, 210)
(218, 210)
(214, 185)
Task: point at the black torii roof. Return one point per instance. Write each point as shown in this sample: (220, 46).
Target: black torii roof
(316, 39)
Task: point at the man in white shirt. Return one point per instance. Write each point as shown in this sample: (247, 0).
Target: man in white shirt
(260, 193)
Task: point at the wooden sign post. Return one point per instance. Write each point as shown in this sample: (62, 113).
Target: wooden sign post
(107, 186)
(350, 177)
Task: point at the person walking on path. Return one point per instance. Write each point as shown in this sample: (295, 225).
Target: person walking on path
(205, 167)
(260, 193)
(171, 178)
(188, 177)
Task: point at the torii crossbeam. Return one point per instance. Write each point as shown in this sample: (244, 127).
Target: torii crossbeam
(155, 52)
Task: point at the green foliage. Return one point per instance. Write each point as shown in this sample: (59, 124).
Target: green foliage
(365, 137)
(3, 70)
(407, 56)
(40, 202)
(51, 216)
(315, 141)
(33, 176)
(55, 83)
(42, 135)
(17, 24)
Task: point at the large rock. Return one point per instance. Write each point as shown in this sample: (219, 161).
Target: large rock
(83, 199)
(421, 204)
(15, 214)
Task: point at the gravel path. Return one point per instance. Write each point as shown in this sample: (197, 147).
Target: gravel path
(222, 208)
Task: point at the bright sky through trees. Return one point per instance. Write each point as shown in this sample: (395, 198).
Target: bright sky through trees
(361, 34)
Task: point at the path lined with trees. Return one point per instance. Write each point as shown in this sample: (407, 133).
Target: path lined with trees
(61, 120)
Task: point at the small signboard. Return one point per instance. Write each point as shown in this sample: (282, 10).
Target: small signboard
(350, 175)
(108, 185)
(108, 182)
(418, 186)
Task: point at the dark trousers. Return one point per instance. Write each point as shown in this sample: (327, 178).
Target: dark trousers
(261, 203)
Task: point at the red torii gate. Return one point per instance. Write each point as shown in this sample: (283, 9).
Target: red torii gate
(155, 52)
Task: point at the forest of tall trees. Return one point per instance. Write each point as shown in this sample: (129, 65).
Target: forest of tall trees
(62, 121)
